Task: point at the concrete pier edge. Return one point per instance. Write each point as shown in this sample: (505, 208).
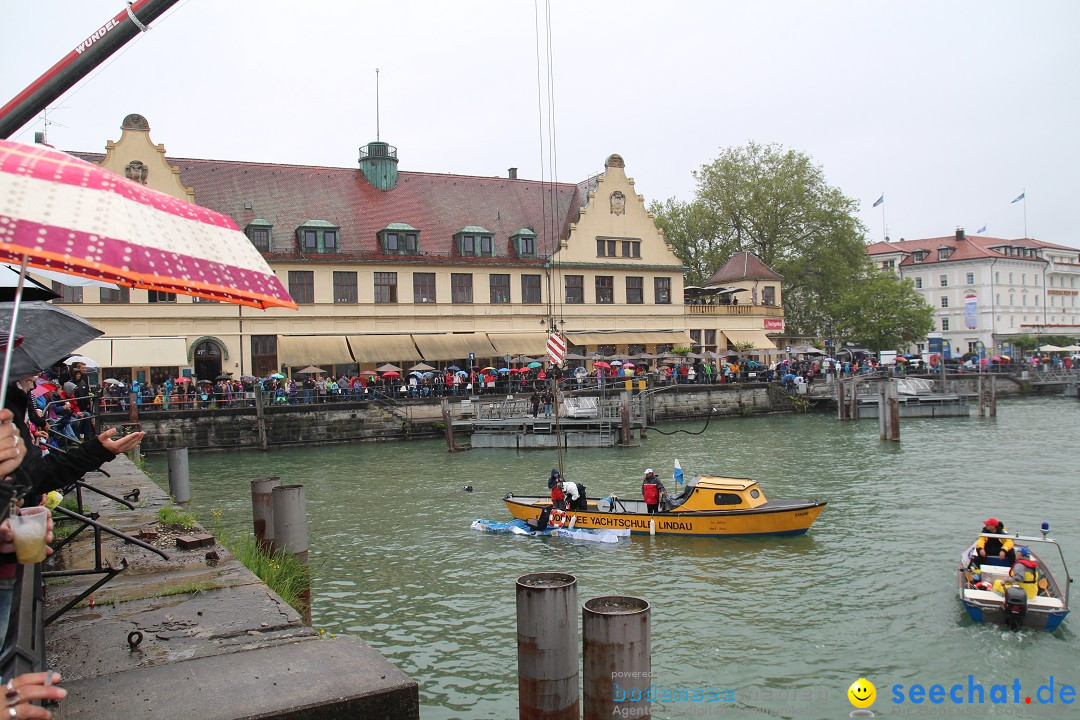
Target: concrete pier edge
(218, 644)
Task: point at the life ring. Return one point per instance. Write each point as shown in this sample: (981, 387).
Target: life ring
(557, 518)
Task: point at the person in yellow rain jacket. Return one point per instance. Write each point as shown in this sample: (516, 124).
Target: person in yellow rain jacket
(995, 547)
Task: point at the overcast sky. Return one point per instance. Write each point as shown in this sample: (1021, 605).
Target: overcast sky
(951, 109)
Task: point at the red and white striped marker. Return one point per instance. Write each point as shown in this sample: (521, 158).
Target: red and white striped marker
(556, 347)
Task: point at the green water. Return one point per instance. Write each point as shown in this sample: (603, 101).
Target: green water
(786, 623)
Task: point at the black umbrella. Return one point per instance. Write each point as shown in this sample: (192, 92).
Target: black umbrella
(223, 376)
(32, 289)
(49, 334)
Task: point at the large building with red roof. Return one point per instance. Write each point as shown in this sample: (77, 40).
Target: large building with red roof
(989, 290)
(400, 266)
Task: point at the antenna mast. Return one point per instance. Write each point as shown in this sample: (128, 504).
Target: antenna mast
(377, 104)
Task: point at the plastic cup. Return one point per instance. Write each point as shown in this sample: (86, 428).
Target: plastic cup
(29, 528)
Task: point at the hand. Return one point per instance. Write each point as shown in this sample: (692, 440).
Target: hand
(124, 444)
(12, 450)
(7, 536)
(29, 687)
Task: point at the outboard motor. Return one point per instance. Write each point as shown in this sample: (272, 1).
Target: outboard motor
(1016, 602)
(542, 521)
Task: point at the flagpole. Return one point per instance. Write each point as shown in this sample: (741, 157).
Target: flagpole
(884, 231)
(1025, 214)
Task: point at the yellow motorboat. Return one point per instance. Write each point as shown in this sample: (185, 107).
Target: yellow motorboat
(708, 505)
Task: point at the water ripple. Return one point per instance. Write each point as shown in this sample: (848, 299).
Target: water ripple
(870, 591)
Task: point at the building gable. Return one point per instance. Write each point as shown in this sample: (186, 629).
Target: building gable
(615, 227)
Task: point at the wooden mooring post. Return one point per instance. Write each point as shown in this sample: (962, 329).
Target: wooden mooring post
(260, 417)
(624, 420)
(448, 426)
(888, 410)
(987, 396)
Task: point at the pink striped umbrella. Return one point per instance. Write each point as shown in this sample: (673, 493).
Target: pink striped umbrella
(64, 214)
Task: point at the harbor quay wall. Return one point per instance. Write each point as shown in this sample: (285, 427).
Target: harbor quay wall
(238, 428)
(232, 428)
(349, 422)
(686, 401)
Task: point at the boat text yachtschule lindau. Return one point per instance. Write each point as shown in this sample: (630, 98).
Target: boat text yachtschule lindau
(708, 505)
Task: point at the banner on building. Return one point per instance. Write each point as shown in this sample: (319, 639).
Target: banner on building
(971, 309)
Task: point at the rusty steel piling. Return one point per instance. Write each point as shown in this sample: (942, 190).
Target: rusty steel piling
(262, 509)
(618, 657)
(547, 645)
(179, 486)
(289, 505)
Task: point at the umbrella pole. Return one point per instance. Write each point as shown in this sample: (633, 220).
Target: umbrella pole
(11, 331)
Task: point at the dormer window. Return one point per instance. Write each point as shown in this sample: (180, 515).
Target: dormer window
(399, 239)
(943, 253)
(474, 241)
(524, 242)
(919, 256)
(258, 232)
(318, 237)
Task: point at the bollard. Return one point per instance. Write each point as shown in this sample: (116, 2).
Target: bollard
(888, 410)
(547, 645)
(262, 509)
(624, 420)
(290, 520)
(289, 507)
(618, 657)
(179, 487)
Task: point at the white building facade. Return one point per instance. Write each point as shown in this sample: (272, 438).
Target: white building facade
(989, 290)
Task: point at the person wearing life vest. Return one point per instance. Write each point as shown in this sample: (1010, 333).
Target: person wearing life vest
(558, 500)
(995, 547)
(651, 488)
(1025, 573)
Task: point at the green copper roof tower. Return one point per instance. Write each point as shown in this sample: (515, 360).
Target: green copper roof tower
(378, 161)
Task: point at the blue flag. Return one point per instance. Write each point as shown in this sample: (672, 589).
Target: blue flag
(1019, 197)
(678, 473)
(982, 229)
(882, 199)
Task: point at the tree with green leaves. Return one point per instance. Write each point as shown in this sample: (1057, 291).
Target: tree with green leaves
(776, 204)
(692, 233)
(882, 312)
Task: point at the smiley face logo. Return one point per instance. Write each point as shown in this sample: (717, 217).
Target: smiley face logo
(862, 693)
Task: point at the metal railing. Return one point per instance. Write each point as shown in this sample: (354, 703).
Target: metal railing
(24, 645)
(736, 310)
(101, 565)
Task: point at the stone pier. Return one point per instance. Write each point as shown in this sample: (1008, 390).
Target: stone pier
(216, 642)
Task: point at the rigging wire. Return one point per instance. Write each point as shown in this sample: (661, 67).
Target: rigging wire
(540, 133)
(553, 155)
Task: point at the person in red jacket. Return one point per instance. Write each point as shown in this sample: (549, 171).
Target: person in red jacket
(652, 489)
